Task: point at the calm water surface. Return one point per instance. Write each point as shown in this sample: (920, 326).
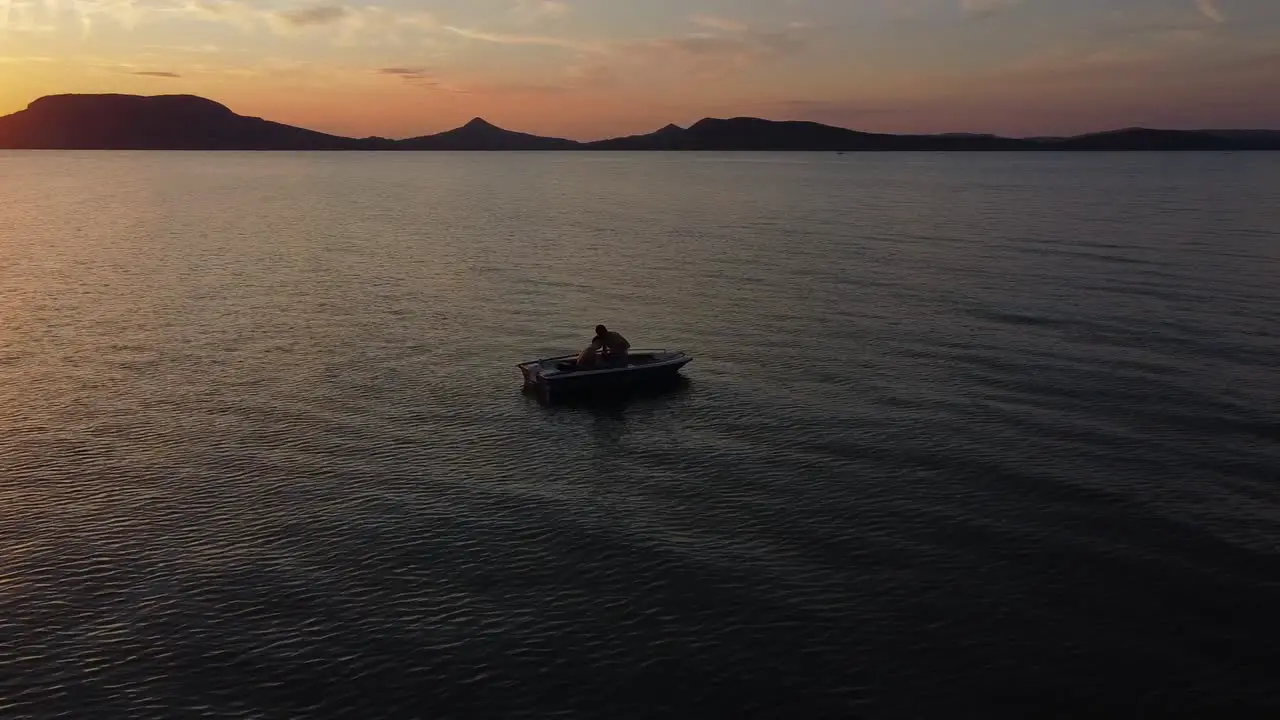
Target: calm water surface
(965, 435)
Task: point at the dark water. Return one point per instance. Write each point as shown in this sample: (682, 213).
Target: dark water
(964, 436)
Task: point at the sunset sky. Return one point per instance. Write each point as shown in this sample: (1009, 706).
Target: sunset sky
(593, 68)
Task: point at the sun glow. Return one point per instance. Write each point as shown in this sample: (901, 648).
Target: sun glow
(593, 69)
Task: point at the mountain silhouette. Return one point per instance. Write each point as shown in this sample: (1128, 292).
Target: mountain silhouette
(671, 137)
(162, 122)
(745, 133)
(1149, 139)
(480, 135)
(187, 122)
(1269, 136)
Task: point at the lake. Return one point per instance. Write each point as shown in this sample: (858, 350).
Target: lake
(964, 435)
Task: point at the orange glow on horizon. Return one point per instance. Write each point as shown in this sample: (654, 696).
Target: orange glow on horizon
(607, 68)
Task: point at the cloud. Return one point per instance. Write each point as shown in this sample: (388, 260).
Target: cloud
(232, 12)
(127, 14)
(350, 25)
(724, 47)
(314, 15)
(19, 16)
(156, 74)
(518, 39)
(986, 8)
(719, 23)
(1209, 8)
(418, 76)
(375, 18)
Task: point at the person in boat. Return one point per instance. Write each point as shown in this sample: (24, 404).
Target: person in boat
(606, 348)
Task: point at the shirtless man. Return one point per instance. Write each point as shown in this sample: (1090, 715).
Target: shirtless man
(615, 346)
(608, 343)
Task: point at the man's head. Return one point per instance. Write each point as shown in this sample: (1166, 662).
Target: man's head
(601, 331)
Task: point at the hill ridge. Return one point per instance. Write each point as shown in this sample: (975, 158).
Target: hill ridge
(190, 122)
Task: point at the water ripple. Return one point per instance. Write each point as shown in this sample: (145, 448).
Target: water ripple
(964, 436)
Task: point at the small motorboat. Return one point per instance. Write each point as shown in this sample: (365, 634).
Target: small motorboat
(561, 376)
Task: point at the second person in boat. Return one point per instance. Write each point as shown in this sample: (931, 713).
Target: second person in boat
(607, 348)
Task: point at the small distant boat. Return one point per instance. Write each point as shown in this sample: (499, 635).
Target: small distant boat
(561, 376)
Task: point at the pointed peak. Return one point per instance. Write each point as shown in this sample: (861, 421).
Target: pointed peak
(479, 122)
(671, 128)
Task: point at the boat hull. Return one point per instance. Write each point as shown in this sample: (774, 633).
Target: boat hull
(556, 378)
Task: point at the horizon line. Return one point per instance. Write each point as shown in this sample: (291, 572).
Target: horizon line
(481, 119)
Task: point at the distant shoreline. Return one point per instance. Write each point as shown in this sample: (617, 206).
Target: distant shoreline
(190, 123)
(598, 151)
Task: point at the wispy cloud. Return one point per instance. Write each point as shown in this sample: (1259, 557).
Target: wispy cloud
(128, 14)
(314, 15)
(156, 74)
(242, 15)
(719, 23)
(415, 75)
(351, 24)
(520, 39)
(1209, 8)
(723, 46)
(378, 20)
(22, 16)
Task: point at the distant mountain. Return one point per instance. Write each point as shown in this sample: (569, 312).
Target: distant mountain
(1147, 139)
(1260, 139)
(480, 135)
(671, 137)
(164, 122)
(186, 122)
(745, 133)
(756, 134)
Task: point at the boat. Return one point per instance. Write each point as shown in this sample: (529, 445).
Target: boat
(557, 377)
